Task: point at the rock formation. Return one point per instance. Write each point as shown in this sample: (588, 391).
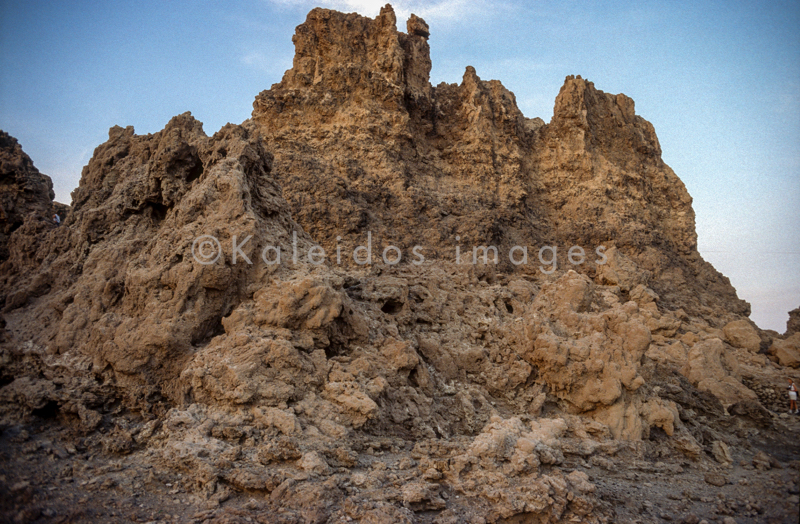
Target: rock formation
(793, 324)
(191, 325)
(25, 194)
(367, 144)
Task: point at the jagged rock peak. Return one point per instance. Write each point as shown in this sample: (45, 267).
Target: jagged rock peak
(359, 123)
(793, 324)
(349, 55)
(609, 121)
(417, 26)
(24, 191)
(16, 167)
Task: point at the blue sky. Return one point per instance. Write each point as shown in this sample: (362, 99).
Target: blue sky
(720, 81)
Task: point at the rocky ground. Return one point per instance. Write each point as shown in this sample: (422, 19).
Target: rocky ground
(46, 477)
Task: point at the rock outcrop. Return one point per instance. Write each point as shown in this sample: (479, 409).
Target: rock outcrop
(200, 316)
(793, 324)
(124, 280)
(366, 144)
(25, 195)
(787, 350)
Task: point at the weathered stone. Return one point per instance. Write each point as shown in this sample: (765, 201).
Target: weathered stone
(742, 334)
(793, 324)
(787, 351)
(721, 453)
(715, 479)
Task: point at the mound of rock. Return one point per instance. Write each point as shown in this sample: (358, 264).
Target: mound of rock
(218, 324)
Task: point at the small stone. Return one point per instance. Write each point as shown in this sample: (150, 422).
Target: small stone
(715, 479)
(19, 486)
(432, 474)
(312, 462)
(761, 461)
(721, 453)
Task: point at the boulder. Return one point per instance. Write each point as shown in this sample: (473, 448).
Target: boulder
(787, 351)
(742, 334)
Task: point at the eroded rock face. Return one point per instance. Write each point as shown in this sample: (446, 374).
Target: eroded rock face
(25, 194)
(793, 324)
(123, 284)
(344, 392)
(368, 145)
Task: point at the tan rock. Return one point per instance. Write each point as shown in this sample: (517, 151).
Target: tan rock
(357, 405)
(284, 421)
(307, 304)
(400, 355)
(674, 354)
(711, 369)
(661, 414)
(715, 479)
(686, 444)
(422, 496)
(721, 453)
(314, 463)
(742, 334)
(592, 368)
(793, 324)
(787, 350)
(623, 420)
(762, 461)
(621, 271)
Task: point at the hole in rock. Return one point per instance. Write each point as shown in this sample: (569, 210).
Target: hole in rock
(49, 410)
(213, 327)
(335, 349)
(658, 434)
(195, 172)
(412, 378)
(509, 307)
(158, 210)
(392, 307)
(354, 292)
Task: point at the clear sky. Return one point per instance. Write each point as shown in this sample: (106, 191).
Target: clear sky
(720, 81)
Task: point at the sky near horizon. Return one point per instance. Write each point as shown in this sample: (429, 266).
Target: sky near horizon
(720, 81)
